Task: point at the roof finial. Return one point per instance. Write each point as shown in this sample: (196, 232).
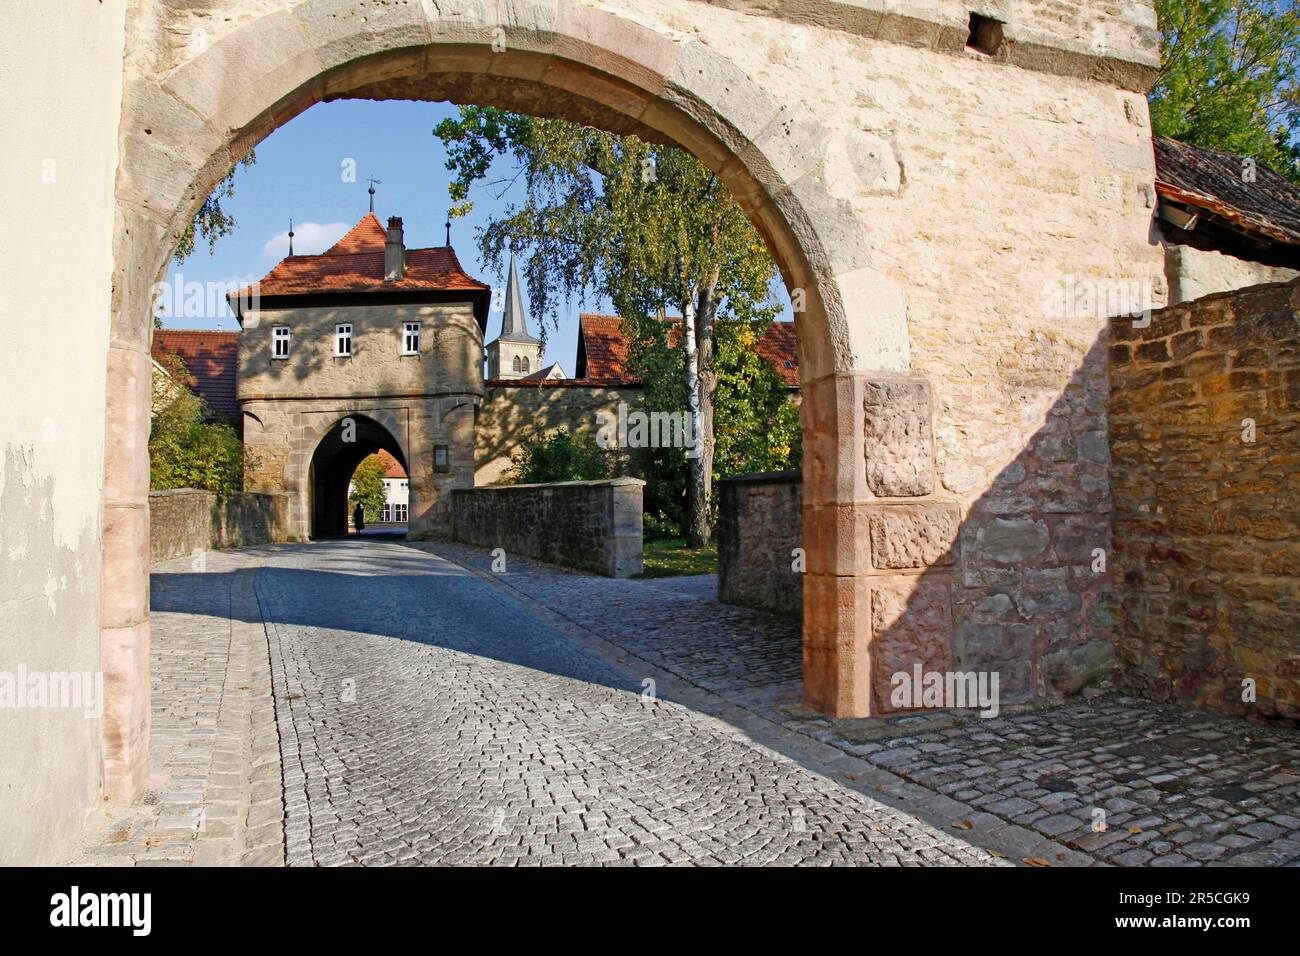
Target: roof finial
(373, 182)
(448, 225)
(290, 237)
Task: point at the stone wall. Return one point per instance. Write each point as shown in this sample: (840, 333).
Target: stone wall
(760, 524)
(513, 413)
(590, 525)
(1192, 273)
(1205, 475)
(187, 521)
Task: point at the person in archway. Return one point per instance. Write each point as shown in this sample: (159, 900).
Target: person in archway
(359, 518)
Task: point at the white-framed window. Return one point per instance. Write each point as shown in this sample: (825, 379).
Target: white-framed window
(410, 338)
(399, 513)
(343, 340)
(280, 341)
(388, 512)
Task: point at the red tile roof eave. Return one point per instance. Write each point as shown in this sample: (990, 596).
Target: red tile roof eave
(1229, 213)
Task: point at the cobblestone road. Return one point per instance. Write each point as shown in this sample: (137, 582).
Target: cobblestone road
(1117, 779)
(427, 716)
(428, 710)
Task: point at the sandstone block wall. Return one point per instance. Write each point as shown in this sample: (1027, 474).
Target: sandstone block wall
(187, 521)
(760, 526)
(590, 525)
(1205, 475)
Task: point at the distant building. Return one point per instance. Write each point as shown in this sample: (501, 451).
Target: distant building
(516, 352)
(211, 361)
(373, 348)
(369, 346)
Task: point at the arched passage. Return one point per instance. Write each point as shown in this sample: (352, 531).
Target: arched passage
(189, 116)
(350, 441)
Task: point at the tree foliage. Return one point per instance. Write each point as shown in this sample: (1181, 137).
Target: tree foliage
(1228, 78)
(185, 451)
(368, 487)
(212, 221)
(560, 456)
(649, 227)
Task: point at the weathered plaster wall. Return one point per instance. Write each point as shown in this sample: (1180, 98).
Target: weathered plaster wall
(591, 525)
(60, 102)
(760, 526)
(1205, 443)
(1192, 273)
(186, 522)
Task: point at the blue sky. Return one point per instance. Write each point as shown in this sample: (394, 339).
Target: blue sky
(300, 174)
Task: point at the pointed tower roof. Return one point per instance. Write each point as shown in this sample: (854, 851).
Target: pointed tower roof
(514, 324)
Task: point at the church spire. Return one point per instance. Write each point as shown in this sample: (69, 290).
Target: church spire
(514, 324)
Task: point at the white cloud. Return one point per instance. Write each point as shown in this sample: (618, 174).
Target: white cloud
(309, 238)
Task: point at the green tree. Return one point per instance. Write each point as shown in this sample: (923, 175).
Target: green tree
(1228, 78)
(757, 427)
(185, 451)
(212, 221)
(368, 487)
(560, 456)
(650, 227)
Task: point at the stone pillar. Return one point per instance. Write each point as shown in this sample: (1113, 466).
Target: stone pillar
(124, 588)
(876, 599)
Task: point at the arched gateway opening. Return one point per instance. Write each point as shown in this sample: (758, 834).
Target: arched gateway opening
(350, 441)
(183, 124)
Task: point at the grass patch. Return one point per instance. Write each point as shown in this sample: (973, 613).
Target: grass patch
(669, 557)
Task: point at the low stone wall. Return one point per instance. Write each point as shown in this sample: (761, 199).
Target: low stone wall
(589, 525)
(1205, 475)
(760, 523)
(185, 521)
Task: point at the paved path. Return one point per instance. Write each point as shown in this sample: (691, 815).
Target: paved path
(1112, 779)
(214, 795)
(429, 716)
(371, 701)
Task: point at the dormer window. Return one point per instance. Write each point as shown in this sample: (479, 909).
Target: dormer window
(279, 341)
(410, 338)
(343, 340)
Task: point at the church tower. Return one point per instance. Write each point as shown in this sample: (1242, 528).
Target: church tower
(514, 353)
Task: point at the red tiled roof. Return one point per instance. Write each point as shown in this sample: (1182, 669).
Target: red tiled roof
(1268, 205)
(211, 358)
(368, 235)
(603, 350)
(395, 469)
(356, 264)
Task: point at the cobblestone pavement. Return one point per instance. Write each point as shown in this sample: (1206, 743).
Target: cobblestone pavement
(429, 711)
(214, 794)
(1121, 780)
(428, 716)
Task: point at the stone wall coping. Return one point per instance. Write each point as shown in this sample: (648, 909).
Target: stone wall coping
(789, 476)
(611, 482)
(218, 494)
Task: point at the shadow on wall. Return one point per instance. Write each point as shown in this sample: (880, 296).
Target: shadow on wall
(1021, 587)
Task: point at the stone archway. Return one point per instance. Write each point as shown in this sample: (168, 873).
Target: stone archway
(188, 113)
(344, 445)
